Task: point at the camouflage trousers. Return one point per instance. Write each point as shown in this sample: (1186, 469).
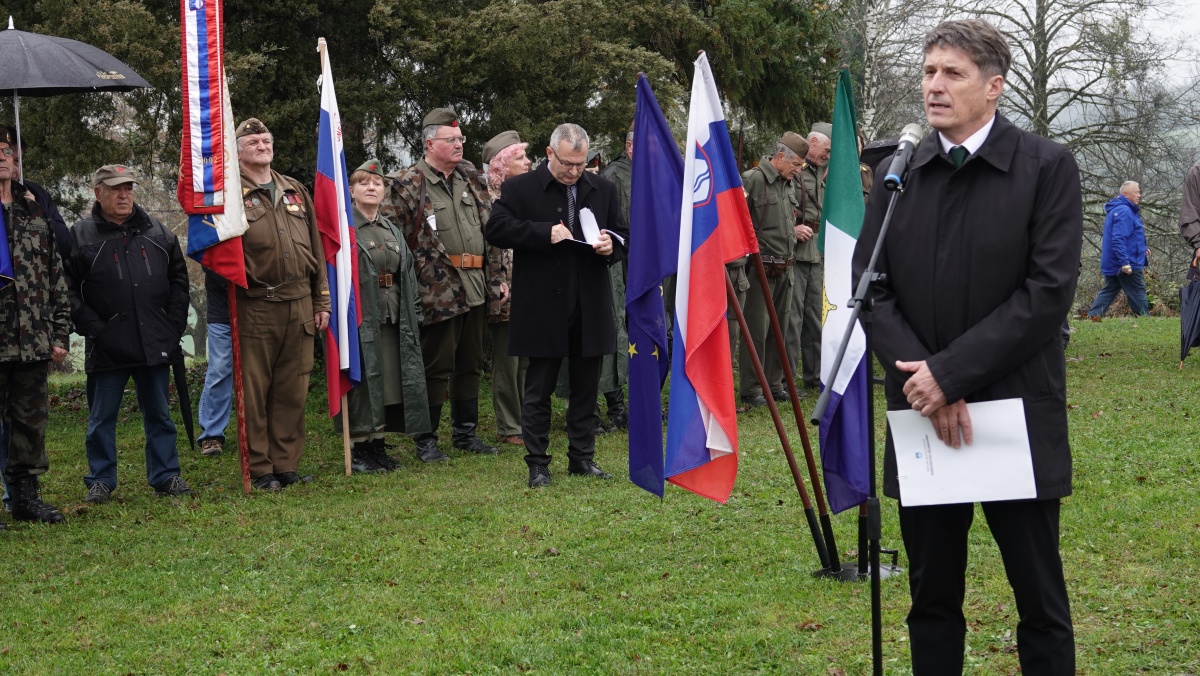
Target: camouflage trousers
(25, 412)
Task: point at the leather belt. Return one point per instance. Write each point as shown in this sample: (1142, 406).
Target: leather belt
(385, 280)
(816, 227)
(777, 267)
(466, 261)
(269, 291)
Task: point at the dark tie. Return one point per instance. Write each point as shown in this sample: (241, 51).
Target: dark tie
(958, 154)
(571, 208)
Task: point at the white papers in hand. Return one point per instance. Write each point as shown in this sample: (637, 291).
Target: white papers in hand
(996, 466)
(587, 223)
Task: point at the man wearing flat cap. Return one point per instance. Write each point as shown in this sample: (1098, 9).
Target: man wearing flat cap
(282, 311)
(804, 328)
(129, 299)
(775, 211)
(441, 205)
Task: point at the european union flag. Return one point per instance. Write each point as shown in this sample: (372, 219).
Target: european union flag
(654, 207)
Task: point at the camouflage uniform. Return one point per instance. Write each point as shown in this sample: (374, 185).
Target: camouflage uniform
(442, 217)
(35, 317)
(804, 328)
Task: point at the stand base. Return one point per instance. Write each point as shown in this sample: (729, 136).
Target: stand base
(847, 573)
(886, 570)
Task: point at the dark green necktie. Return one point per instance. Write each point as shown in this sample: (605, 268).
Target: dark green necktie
(958, 155)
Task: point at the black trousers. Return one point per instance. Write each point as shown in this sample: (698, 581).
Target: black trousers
(1026, 531)
(583, 379)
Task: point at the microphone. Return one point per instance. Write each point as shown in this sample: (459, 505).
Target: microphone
(909, 138)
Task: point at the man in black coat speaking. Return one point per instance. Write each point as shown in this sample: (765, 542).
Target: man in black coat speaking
(561, 298)
(980, 265)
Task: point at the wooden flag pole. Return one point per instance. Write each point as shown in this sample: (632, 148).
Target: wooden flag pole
(239, 395)
(346, 434)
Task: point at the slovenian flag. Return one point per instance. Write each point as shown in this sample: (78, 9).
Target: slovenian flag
(657, 182)
(331, 198)
(844, 428)
(714, 229)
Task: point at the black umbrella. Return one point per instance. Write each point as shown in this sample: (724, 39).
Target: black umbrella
(876, 151)
(1189, 314)
(44, 65)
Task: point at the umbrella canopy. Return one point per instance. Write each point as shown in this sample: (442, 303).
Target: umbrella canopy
(44, 65)
(1189, 319)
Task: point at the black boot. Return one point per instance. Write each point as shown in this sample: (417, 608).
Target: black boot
(464, 418)
(427, 448)
(27, 506)
(380, 456)
(362, 459)
(618, 415)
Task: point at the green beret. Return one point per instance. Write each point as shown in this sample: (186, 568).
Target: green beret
(499, 142)
(822, 128)
(442, 117)
(795, 143)
(113, 175)
(251, 126)
(371, 166)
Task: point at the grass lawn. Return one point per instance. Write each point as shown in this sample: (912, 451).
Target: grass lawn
(458, 568)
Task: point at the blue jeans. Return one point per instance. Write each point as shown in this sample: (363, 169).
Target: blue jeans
(104, 392)
(217, 397)
(1135, 290)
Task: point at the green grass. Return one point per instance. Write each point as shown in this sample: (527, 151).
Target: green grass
(458, 568)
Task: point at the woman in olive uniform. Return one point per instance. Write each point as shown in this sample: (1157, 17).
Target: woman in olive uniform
(393, 370)
(505, 157)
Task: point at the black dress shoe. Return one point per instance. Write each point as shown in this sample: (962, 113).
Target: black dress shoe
(286, 479)
(539, 476)
(781, 395)
(754, 400)
(587, 468)
(267, 482)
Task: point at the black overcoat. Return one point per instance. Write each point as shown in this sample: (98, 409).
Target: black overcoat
(548, 278)
(981, 264)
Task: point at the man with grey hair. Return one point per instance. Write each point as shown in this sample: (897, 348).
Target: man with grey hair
(1123, 253)
(804, 326)
(440, 205)
(563, 302)
(979, 268)
(775, 210)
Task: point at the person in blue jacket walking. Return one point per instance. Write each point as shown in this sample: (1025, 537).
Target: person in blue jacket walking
(1123, 253)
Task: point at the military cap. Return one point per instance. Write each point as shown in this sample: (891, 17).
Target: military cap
(499, 142)
(795, 143)
(113, 175)
(251, 126)
(371, 166)
(442, 117)
(822, 128)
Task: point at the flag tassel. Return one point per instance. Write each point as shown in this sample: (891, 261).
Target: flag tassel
(809, 514)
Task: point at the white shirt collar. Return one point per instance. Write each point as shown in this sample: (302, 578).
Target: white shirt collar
(973, 143)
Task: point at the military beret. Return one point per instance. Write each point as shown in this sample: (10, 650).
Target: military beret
(499, 142)
(113, 175)
(822, 128)
(795, 143)
(442, 117)
(371, 166)
(251, 126)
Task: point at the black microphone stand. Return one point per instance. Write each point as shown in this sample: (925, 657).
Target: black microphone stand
(869, 524)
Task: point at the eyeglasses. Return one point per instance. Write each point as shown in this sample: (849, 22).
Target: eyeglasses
(7, 152)
(451, 140)
(568, 165)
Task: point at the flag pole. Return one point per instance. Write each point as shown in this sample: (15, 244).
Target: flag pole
(240, 398)
(822, 552)
(832, 566)
(346, 434)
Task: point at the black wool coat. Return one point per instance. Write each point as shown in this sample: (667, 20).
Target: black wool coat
(981, 264)
(551, 281)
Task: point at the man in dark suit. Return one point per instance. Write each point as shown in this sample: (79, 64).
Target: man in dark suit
(562, 299)
(980, 265)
